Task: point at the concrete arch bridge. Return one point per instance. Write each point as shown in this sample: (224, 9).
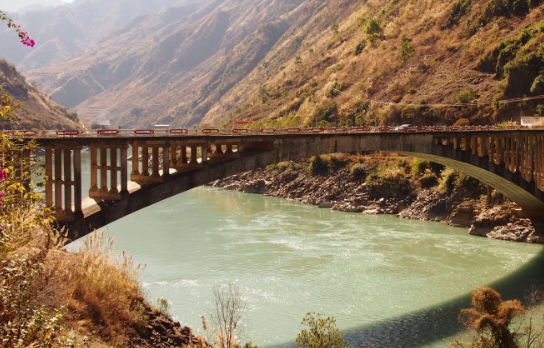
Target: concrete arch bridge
(511, 161)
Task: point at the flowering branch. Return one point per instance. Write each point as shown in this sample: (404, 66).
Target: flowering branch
(23, 35)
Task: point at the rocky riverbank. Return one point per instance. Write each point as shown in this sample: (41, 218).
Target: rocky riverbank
(483, 212)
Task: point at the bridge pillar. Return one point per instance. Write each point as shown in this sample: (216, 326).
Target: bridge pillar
(145, 161)
(99, 164)
(159, 152)
(63, 169)
(219, 154)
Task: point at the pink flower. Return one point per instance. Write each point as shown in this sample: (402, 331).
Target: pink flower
(3, 176)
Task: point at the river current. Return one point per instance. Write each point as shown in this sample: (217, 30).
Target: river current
(387, 281)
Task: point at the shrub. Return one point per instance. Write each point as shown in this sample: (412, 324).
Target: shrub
(401, 163)
(358, 170)
(467, 181)
(490, 319)
(359, 47)
(419, 167)
(447, 180)
(336, 163)
(406, 49)
(428, 180)
(393, 176)
(317, 166)
(322, 333)
(464, 96)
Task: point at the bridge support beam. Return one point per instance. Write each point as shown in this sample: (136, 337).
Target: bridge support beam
(63, 169)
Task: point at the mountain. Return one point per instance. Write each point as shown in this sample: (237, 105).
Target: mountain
(38, 110)
(63, 31)
(304, 62)
(28, 5)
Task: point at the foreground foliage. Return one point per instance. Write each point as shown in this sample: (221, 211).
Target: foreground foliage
(321, 333)
(493, 323)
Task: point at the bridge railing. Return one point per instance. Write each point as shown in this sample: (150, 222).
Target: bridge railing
(177, 132)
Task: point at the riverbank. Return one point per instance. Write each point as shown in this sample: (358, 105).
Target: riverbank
(379, 184)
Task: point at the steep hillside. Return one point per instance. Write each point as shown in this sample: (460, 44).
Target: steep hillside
(38, 110)
(305, 62)
(66, 30)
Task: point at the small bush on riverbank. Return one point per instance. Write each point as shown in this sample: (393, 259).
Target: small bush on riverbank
(428, 180)
(321, 333)
(317, 166)
(419, 166)
(358, 171)
(494, 323)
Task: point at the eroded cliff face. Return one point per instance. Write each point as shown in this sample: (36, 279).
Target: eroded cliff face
(483, 213)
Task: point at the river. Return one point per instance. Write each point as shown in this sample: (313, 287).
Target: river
(387, 281)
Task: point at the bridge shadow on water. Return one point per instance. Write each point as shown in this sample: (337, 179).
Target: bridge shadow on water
(439, 322)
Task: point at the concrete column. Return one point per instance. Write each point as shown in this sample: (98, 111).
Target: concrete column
(135, 160)
(124, 170)
(58, 180)
(491, 148)
(166, 161)
(474, 145)
(229, 149)
(173, 155)
(49, 175)
(77, 183)
(193, 155)
(183, 155)
(94, 169)
(145, 161)
(155, 161)
(507, 155)
(67, 181)
(500, 150)
(531, 149)
(204, 153)
(103, 170)
(113, 171)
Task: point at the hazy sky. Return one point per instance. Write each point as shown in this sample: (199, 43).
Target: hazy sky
(16, 5)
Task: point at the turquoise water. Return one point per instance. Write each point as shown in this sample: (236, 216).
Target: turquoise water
(387, 281)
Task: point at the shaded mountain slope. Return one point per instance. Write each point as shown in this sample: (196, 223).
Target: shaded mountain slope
(304, 62)
(38, 110)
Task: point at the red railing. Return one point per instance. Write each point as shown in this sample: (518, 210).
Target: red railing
(179, 131)
(107, 132)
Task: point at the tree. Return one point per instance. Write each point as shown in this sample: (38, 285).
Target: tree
(322, 333)
(490, 318)
(263, 94)
(226, 315)
(406, 48)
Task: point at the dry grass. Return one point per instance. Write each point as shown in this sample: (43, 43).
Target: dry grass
(53, 298)
(102, 291)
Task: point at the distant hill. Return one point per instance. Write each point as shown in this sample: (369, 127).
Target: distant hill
(63, 31)
(39, 111)
(304, 62)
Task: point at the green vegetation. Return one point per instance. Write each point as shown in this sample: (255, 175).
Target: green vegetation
(419, 166)
(263, 94)
(428, 180)
(406, 48)
(359, 47)
(465, 96)
(321, 333)
(317, 166)
(458, 10)
(373, 29)
(358, 171)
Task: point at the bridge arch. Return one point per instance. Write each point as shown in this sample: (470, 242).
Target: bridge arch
(499, 159)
